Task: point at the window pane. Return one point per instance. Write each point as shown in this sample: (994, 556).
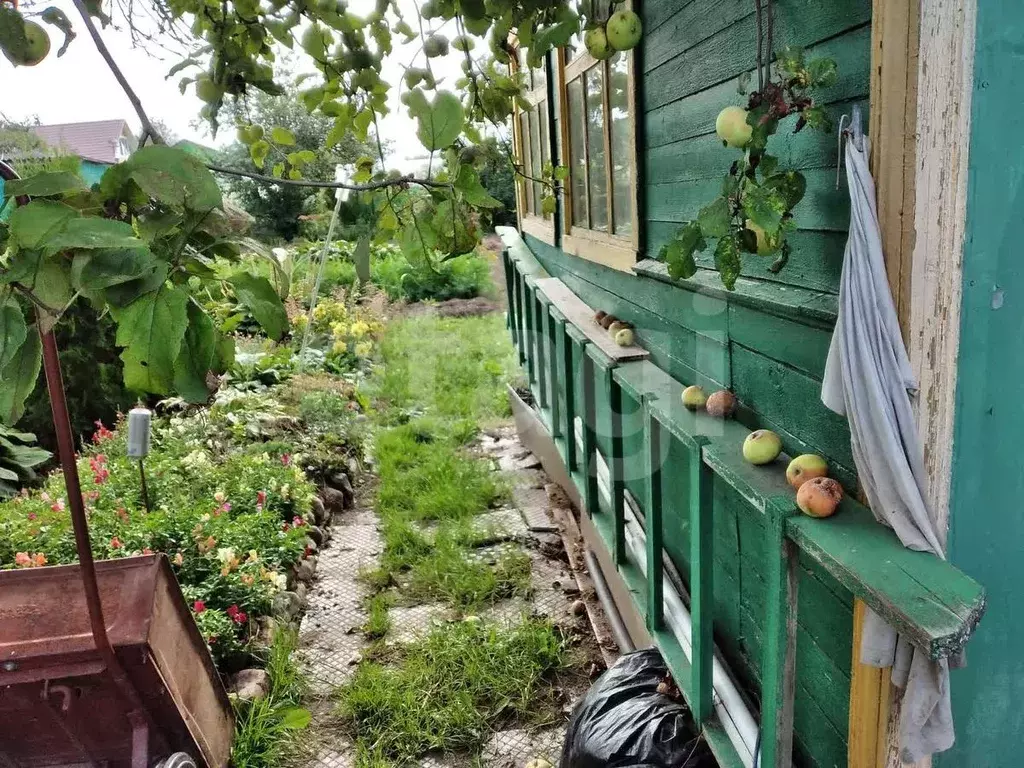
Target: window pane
(622, 149)
(574, 47)
(596, 162)
(538, 77)
(545, 139)
(535, 154)
(524, 138)
(577, 153)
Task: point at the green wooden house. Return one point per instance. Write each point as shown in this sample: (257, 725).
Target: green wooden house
(679, 523)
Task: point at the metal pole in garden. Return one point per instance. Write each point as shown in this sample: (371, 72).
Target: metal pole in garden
(339, 195)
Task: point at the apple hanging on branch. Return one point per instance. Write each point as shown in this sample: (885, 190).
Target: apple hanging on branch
(753, 214)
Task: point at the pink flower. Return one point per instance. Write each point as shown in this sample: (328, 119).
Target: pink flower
(285, 527)
(123, 514)
(32, 516)
(225, 507)
(261, 499)
(298, 522)
(147, 551)
(286, 459)
(22, 560)
(307, 552)
(237, 614)
(179, 559)
(58, 505)
(198, 606)
(115, 543)
(101, 433)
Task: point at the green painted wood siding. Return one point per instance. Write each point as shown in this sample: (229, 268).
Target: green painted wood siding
(986, 527)
(692, 54)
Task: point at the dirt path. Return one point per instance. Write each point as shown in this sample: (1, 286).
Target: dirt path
(331, 634)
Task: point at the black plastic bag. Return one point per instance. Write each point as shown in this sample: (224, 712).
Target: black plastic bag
(624, 722)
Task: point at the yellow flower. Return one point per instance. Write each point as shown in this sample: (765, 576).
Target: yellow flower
(338, 329)
(360, 328)
(363, 349)
(340, 347)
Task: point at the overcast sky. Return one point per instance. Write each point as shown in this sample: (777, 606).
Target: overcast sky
(79, 86)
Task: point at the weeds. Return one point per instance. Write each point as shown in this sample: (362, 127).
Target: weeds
(449, 368)
(267, 729)
(451, 689)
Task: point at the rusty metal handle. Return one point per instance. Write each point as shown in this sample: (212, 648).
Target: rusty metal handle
(137, 715)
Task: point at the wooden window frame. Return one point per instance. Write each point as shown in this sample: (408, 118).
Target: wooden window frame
(530, 222)
(616, 251)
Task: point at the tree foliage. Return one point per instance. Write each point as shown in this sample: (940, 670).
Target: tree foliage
(275, 208)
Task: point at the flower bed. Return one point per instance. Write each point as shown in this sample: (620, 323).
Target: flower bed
(231, 507)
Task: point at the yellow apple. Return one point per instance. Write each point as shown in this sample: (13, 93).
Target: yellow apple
(804, 467)
(694, 398)
(762, 447)
(765, 243)
(623, 30)
(732, 128)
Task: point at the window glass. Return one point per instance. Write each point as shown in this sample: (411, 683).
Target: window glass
(573, 48)
(577, 153)
(596, 160)
(524, 134)
(535, 154)
(622, 150)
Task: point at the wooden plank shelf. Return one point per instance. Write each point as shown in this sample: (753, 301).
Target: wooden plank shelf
(926, 599)
(580, 314)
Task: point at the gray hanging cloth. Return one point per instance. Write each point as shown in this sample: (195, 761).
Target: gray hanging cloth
(868, 379)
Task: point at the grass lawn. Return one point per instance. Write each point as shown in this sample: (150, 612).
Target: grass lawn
(439, 382)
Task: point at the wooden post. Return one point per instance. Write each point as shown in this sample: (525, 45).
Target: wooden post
(701, 582)
(517, 279)
(591, 492)
(539, 313)
(778, 680)
(653, 527)
(921, 81)
(506, 262)
(553, 322)
(569, 422)
(618, 483)
(531, 331)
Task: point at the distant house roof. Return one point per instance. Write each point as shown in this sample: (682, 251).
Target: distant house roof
(98, 141)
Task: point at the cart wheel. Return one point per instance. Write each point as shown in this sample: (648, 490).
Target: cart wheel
(177, 760)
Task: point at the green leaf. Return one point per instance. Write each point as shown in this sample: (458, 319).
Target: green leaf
(198, 356)
(89, 232)
(791, 185)
(151, 329)
(768, 166)
(282, 136)
(258, 151)
(727, 261)
(790, 59)
(258, 296)
(678, 252)
(18, 377)
(441, 122)
(45, 185)
(124, 294)
(294, 718)
(817, 118)
(174, 177)
(59, 19)
(12, 331)
(821, 73)
(361, 124)
(93, 271)
(31, 224)
(714, 218)
(764, 206)
(45, 276)
(468, 183)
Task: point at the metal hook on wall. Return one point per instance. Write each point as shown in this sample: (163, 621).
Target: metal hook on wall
(839, 160)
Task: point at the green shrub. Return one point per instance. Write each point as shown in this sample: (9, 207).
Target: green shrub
(461, 278)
